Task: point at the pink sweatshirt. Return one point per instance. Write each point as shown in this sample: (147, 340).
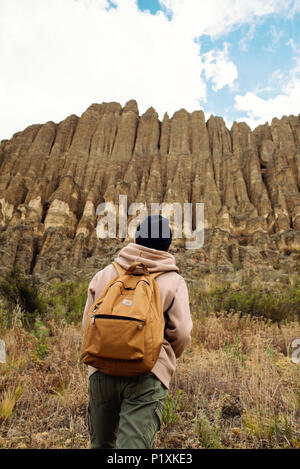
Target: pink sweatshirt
(174, 296)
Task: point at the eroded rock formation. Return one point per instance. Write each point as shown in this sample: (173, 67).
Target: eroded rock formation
(53, 176)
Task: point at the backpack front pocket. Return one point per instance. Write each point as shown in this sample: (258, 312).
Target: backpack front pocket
(118, 337)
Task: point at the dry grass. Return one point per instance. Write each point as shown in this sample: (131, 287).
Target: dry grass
(51, 412)
(235, 387)
(240, 386)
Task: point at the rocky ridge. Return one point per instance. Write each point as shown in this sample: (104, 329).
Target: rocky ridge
(53, 176)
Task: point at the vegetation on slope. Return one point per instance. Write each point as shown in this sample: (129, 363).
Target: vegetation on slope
(236, 385)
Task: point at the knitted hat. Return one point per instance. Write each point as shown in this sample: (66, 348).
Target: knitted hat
(154, 232)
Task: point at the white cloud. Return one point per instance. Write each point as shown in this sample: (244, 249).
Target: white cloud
(247, 38)
(295, 47)
(278, 77)
(262, 89)
(275, 34)
(218, 17)
(219, 69)
(59, 56)
(259, 110)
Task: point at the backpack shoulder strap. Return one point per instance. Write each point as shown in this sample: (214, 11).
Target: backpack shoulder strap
(119, 269)
(156, 274)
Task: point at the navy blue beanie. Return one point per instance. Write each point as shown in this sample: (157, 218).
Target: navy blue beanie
(154, 232)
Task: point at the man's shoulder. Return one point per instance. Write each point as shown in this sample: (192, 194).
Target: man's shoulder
(107, 272)
(110, 268)
(172, 273)
(172, 277)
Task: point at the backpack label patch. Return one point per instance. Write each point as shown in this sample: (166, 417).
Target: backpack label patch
(127, 302)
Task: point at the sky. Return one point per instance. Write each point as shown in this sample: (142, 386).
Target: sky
(237, 59)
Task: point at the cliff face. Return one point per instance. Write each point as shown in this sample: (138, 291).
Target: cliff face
(53, 176)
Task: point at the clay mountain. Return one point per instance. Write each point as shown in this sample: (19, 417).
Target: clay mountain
(53, 176)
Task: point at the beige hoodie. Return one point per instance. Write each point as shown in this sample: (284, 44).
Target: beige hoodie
(174, 296)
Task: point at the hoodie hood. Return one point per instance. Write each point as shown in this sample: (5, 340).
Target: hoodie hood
(154, 260)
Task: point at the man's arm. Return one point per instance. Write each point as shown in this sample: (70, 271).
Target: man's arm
(179, 325)
(90, 300)
(96, 287)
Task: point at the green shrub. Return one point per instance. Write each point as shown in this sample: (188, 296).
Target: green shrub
(237, 266)
(208, 433)
(280, 304)
(234, 351)
(277, 306)
(17, 288)
(64, 300)
(67, 300)
(172, 407)
(41, 332)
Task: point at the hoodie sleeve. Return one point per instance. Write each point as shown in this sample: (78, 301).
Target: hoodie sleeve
(179, 323)
(96, 286)
(90, 300)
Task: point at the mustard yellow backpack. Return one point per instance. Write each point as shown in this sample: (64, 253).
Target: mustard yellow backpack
(124, 329)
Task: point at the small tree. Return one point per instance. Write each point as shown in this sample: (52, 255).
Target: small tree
(17, 288)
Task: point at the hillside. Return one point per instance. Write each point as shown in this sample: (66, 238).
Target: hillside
(237, 384)
(53, 176)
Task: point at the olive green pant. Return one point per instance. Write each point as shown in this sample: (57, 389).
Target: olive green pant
(124, 413)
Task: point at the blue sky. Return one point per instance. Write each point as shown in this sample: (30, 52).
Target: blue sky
(153, 6)
(264, 53)
(263, 58)
(235, 58)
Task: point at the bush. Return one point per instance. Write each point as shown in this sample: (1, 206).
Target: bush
(20, 289)
(64, 300)
(277, 306)
(280, 304)
(209, 433)
(172, 407)
(41, 332)
(67, 300)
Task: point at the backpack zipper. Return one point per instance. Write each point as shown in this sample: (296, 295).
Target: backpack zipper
(111, 316)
